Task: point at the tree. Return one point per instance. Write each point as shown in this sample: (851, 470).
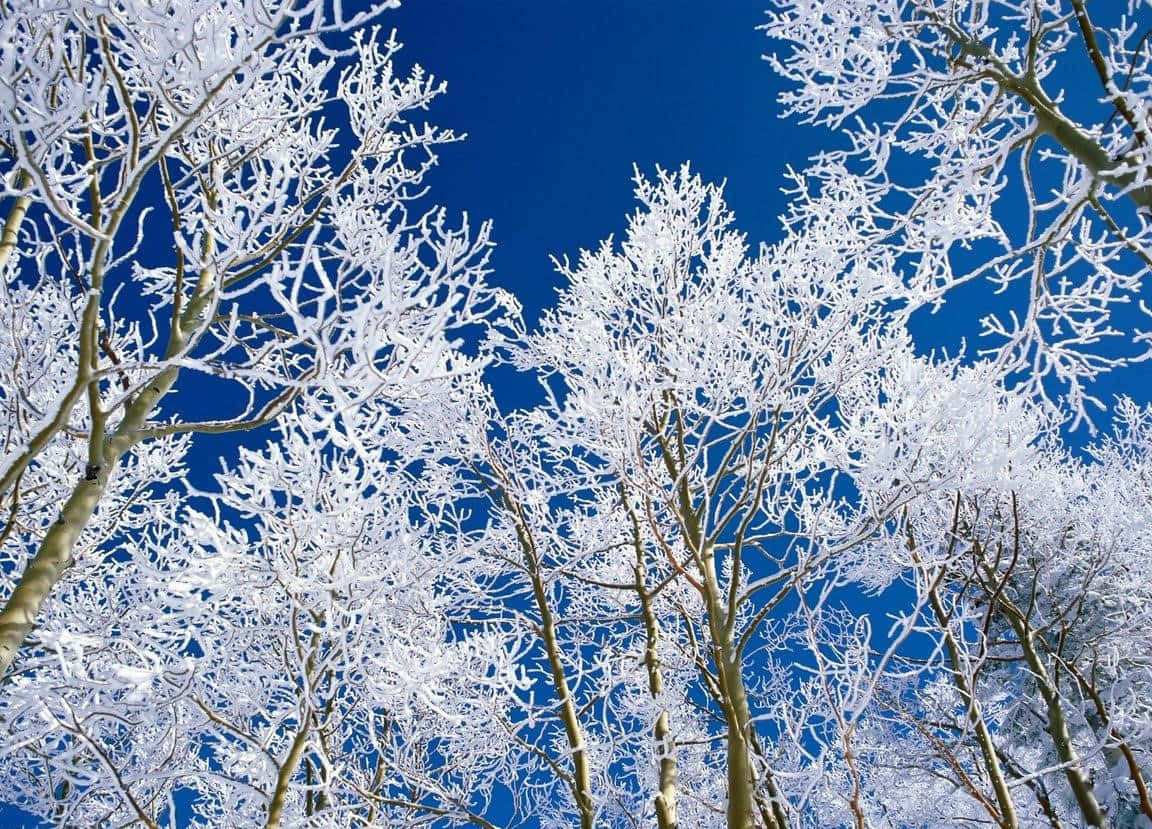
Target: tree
(1033, 589)
(760, 437)
(684, 487)
(698, 382)
(292, 265)
(277, 650)
(976, 151)
(185, 219)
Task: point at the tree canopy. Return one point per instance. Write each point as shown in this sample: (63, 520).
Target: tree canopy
(757, 556)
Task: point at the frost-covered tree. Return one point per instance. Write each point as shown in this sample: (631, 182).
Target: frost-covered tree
(607, 721)
(697, 378)
(184, 218)
(209, 232)
(740, 466)
(1035, 592)
(283, 648)
(1003, 141)
(1022, 682)
(699, 491)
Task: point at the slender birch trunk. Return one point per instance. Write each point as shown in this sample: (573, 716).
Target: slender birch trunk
(665, 800)
(1008, 818)
(581, 782)
(742, 782)
(284, 778)
(11, 230)
(743, 785)
(1057, 728)
(742, 779)
(54, 555)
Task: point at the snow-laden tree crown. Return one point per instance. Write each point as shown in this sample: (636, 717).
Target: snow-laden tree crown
(277, 551)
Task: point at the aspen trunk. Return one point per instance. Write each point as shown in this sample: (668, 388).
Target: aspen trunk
(1008, 817)
(665, 800)
(1081, 787)
(46, 568)
(18, 617)
(284, 779)
(581, 772)
(11, 230)
(662, 732)
(742, 811)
